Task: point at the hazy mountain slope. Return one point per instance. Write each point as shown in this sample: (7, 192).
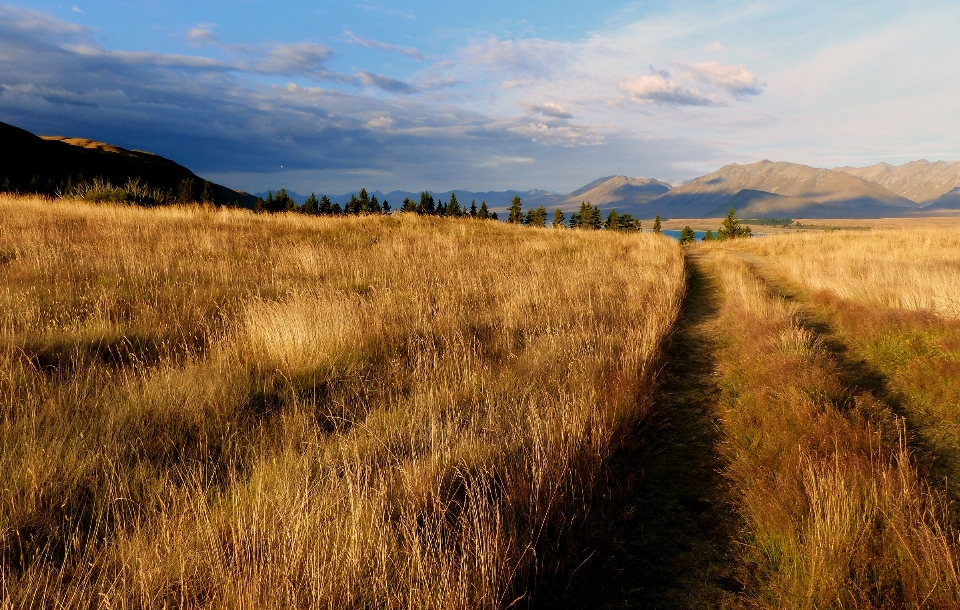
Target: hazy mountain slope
(920, 181)
(626, 194)
(804, 191)
(32, 163)
(947, 201)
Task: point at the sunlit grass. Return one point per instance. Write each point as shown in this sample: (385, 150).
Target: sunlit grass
(214, 409)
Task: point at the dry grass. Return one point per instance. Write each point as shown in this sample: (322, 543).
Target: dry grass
(916, 269)
(835, 513)
(209, 409)
(894, 299)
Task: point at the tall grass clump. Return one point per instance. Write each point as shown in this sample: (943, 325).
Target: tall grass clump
(835, 512)
(213, 409)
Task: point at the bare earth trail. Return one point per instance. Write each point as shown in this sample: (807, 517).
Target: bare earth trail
(666, 544)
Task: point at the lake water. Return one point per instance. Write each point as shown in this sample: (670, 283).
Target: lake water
(676, 234)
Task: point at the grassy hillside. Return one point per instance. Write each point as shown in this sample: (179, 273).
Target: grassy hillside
(213, 409)
(77, 166)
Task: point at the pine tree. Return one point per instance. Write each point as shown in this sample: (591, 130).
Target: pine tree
(185, 193)
(353, 205)
(687, 236)
(559, 221)
(613, 221)
(493, 216)
(326, 208)
(363, 202)
(374, 206)
(656, 224)
(209, 194)
(441, 208)
(427, 205)
(453, 208)
(536, 217)
(516, 211)
(473, 208)
(484, 212)
(337, 210)
(311, 205)
(386, 207)
(409, 205)
(260, 207)
(285, 202)
(708, 236)
(731, 228)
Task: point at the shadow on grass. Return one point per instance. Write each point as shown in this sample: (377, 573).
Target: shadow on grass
(664, 538)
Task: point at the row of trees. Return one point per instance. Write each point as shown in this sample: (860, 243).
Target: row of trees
(365, 203)
(588, 217)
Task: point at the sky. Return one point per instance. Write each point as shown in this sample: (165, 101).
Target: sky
(330, 96)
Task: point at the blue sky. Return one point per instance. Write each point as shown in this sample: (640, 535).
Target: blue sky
(331, 96)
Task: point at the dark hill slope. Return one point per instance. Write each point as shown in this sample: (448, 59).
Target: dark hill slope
(29, 163)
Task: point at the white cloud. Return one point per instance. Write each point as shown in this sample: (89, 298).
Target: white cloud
(501, 161)
(736, 80)
(389, 48)
(715, 47)
(381, 122)
(201, 35)
(548, 109)
(660, 89)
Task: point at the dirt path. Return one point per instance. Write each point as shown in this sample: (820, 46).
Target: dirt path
(667, 543)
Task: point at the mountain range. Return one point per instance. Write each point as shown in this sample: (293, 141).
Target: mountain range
(765, 189)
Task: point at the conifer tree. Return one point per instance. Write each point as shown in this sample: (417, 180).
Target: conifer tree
(337, 210)
(353, 205)
(559, 221)
(708, 236)
(260, 207)
(409, 205)
(516, 211)
(363, 202)
(493, 216)
(473, 208)
(441, 208)
(453, 208)
(656, 225)
(326, 208)
(374, 206)
(687, 236)
(386, 207)
(186, 193)
(536, 217)
(731, 228)
(209, 194)
(613, 221)
(484, 212)
(427, 205)
(311, 205)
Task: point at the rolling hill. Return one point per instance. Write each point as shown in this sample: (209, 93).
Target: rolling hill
(919, 181)
(629, 195)
(766, 188)
(40, 164)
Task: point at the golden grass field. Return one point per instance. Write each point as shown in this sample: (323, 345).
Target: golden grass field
(209, 408)
(214, 409)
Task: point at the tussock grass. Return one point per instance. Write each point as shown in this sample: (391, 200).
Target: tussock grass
(835, 512)
(893, 298)
(913, 269)
(212, 409)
